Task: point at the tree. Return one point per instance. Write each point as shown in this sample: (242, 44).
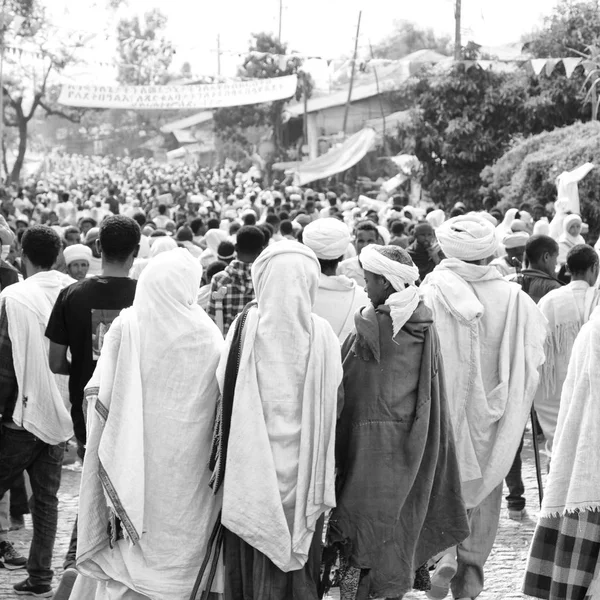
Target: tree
(527, 172)
(28, 86)
(266, 58)
(568, 31)
(144, 57)
(145, 54)
(407, 38)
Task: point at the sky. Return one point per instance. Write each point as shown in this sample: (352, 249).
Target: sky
(321, 28)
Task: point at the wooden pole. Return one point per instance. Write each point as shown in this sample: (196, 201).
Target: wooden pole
(280, 18)
(305, 94)
(380, 99)
(218, 54)
(457, 24)
(352, 75)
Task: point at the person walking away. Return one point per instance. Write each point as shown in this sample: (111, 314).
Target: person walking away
(365, 233)
(567, 309)
(143, 524)
(338, 297)
(394, 404)
(564, 559)
(492, 327)
(538, 278)
(541, 253)
(425, 251)
(80, 319)
(35, 422)
(277, 428)
(233, 288)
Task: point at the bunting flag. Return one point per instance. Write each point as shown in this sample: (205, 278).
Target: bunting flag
(538, 64)
(177, 97)
(551, 64)
(570, 65)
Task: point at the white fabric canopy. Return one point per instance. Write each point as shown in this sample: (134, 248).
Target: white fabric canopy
(337, 160)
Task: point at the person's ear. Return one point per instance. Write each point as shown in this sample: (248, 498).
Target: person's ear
(98, 247)
(136, 251)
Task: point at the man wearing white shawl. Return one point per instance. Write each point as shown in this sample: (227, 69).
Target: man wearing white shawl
(339, 297)
(397, 474)
(275, 448)
(492, 337)
(35, 421)
(146, 510)
(564, 557)
(567, 310)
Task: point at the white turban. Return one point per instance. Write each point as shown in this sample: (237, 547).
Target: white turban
(542, 227)
(436, 217)
(327, 238)
(77, 252)
(404, 302)
(518, 239)
(468, 238)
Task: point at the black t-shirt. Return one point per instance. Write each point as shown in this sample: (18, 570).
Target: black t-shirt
(80, 318)
(113, 205)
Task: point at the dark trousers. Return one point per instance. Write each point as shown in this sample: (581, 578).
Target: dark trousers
(514, 482)
(19, 504)
(71, 557)
(21, 451)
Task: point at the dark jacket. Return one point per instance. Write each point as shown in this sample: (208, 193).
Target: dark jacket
(8, 275)
(536, 283)
(399, 498)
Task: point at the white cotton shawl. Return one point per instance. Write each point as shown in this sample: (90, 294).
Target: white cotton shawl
(152, 403)
(337, 301)
(567, 309)
(492, 337)
(280, 470)
(574, 481)
(40, 408)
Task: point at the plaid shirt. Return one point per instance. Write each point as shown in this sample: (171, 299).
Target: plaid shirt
(237, 279)
(9, 388)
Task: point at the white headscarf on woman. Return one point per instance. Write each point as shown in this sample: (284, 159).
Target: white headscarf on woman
(567, 241)
(504, 229)
(284, 412)
(213, 238)
(149, 437)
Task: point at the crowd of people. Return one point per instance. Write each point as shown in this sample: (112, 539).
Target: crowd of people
(275, 391)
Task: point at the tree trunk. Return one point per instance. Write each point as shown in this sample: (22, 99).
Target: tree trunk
(15, 174)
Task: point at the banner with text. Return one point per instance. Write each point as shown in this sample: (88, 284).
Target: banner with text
(176, 97)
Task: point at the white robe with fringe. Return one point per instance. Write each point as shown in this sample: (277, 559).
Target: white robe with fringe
(567, 309)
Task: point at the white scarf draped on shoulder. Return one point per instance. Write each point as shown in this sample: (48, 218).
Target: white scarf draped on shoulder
(40, 408)
(492, 337)
(280, 470)
(152, 401)
(574, 481)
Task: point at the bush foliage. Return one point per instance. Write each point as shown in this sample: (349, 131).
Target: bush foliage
(528, 172)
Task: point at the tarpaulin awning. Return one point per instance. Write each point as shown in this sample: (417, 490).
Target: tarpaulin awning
(336, 160)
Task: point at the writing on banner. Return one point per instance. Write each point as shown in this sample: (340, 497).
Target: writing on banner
(177, 97)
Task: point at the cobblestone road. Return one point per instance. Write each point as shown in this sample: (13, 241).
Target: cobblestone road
(504, 571)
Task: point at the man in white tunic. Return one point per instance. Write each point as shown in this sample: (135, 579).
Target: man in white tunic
(338, 297)
(492, 338)
(567, 310)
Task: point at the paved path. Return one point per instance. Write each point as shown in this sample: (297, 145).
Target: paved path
(506, 565)
(504, 571)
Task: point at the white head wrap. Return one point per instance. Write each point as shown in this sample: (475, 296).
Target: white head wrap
(327, 238)
(404, 302)
(541, 227)
(518, 239)
(468, 238)
(77, 252)
(436, 217)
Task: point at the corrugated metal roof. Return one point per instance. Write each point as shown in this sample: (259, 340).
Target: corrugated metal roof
(197, 119)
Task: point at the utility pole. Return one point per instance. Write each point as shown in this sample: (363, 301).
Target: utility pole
(280, 18)
(352, 75)
(457, 41)
(219, 54)
(2, 30)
